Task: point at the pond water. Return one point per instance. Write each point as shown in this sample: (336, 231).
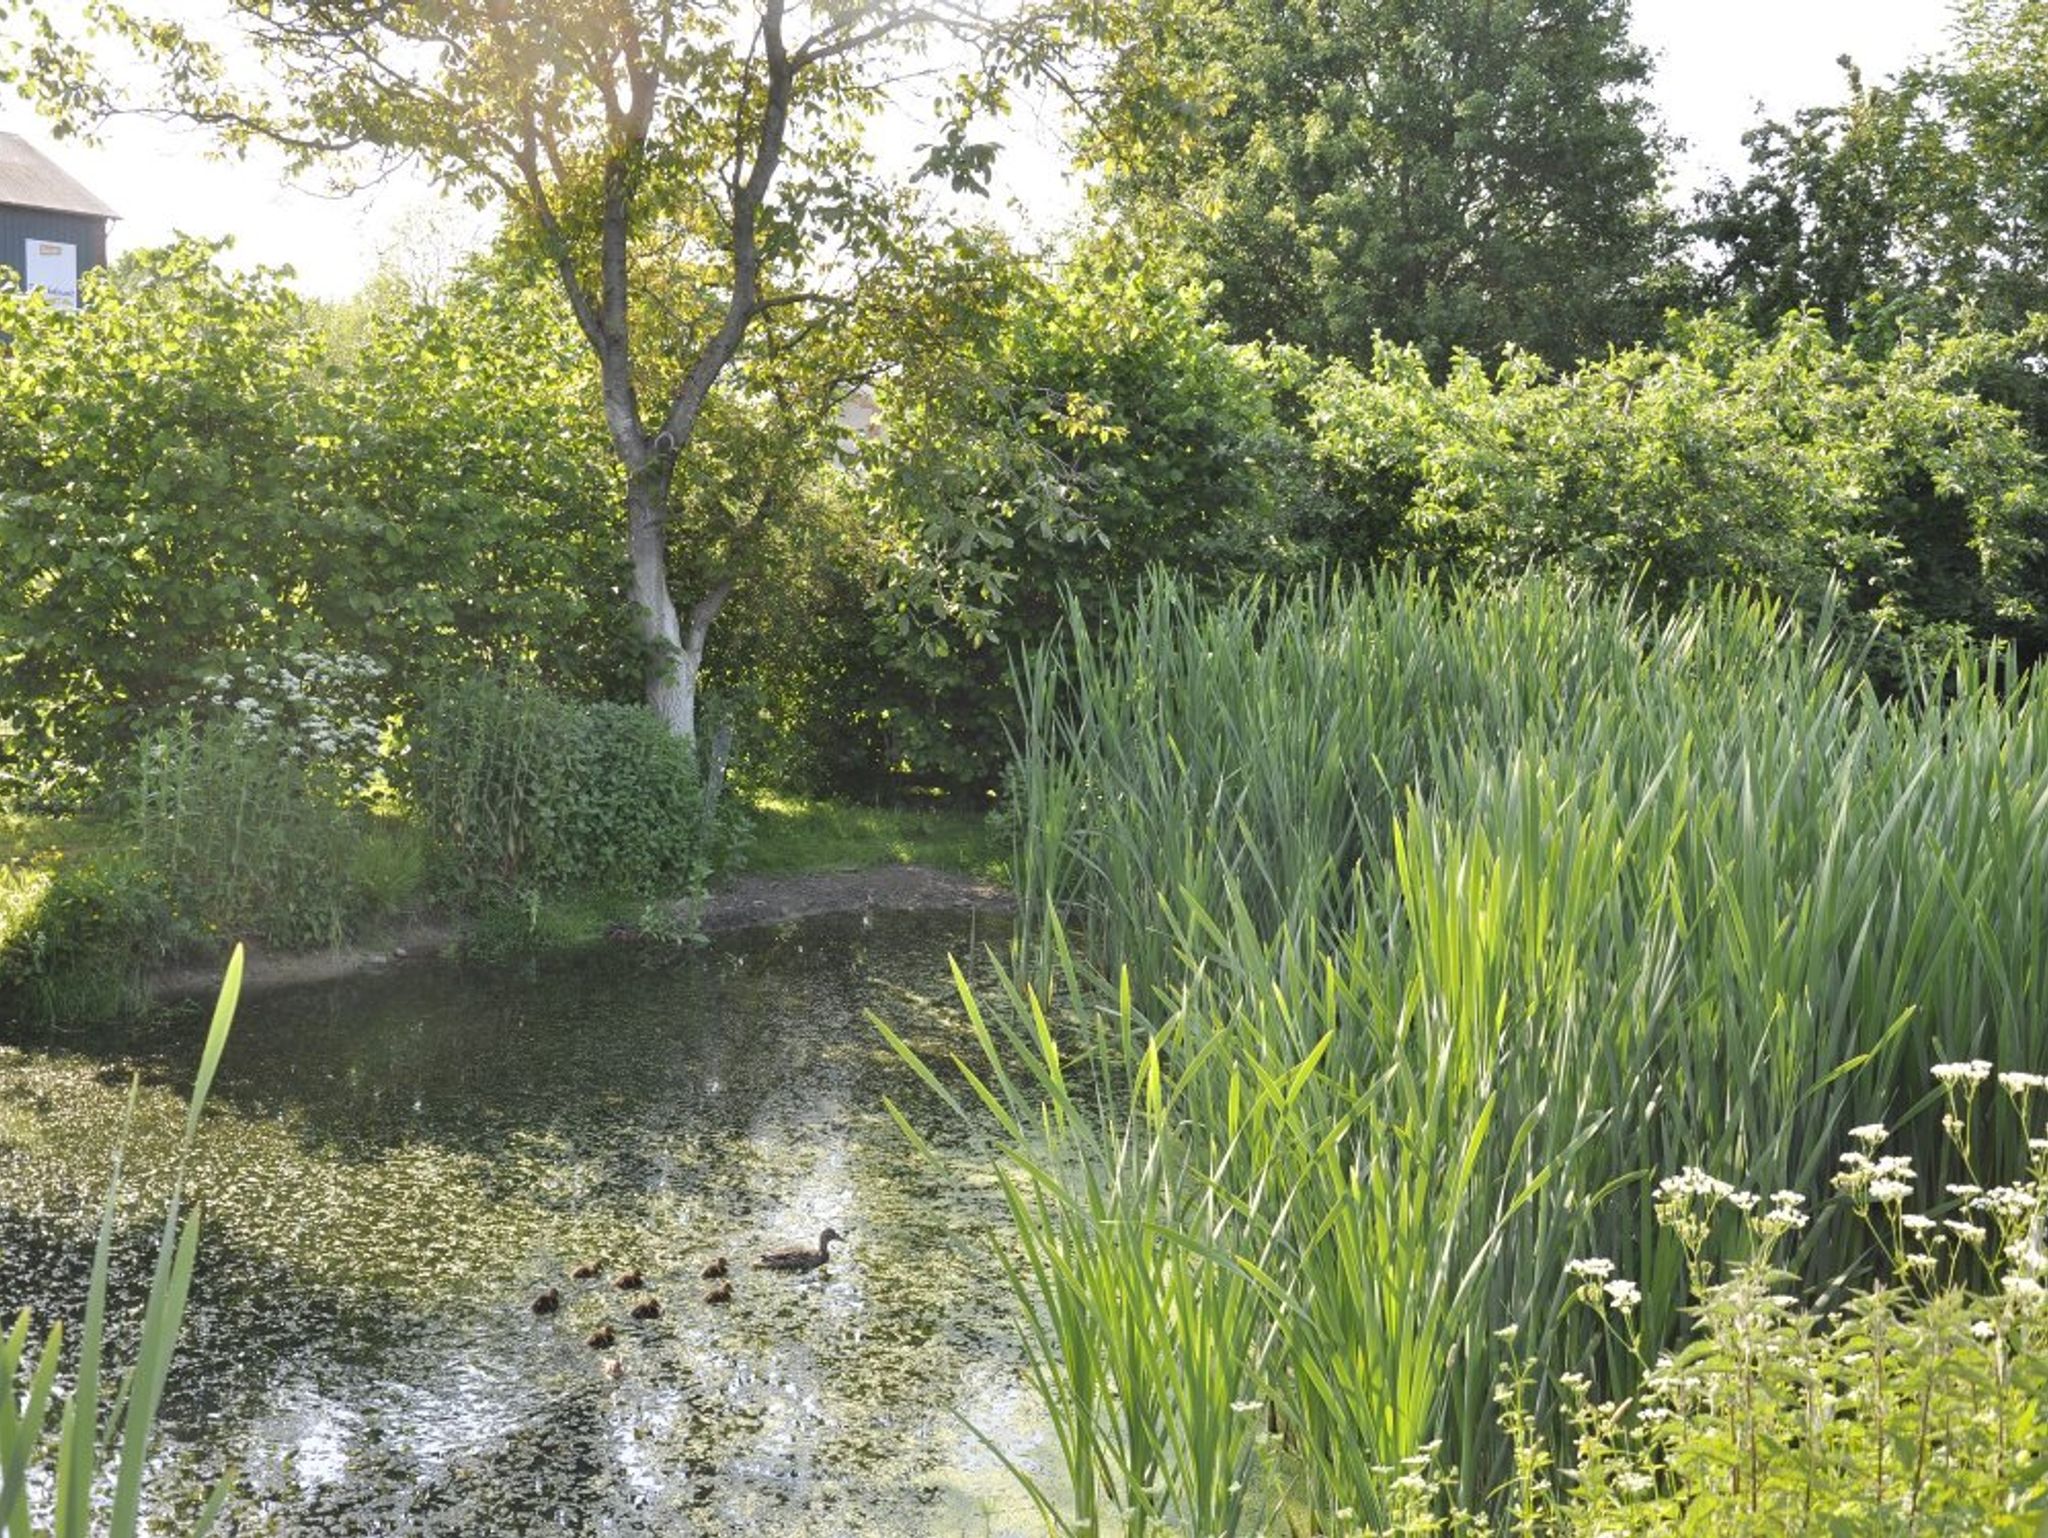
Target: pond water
(393, 1167)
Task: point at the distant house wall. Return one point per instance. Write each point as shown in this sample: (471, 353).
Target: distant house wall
(19, 226)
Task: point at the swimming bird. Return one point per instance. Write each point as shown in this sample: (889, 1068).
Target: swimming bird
(630, 1281)
(715, 1270)
(601, 1338)
(651, 1309)
(801, 1259)
(612, 1368)
(722, 1293)
(587, 1270)
(547, 1302)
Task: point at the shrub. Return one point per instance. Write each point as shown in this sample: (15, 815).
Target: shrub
(521, 790)
(1096, 427)
(79, 935)
(1786, 463)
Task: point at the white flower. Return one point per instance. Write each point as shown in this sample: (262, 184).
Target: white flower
(1969, 1233)
(1592, 1270)
(1624, 1294)
(2008, 1204)
(1916, 1223)
(1870, 1134)
(1889, 1192)
(2024, 1083)
(1984, 1329)
(1973, 1072)
(1693, 1181)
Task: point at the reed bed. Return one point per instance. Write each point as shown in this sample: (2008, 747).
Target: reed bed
(1384, 945)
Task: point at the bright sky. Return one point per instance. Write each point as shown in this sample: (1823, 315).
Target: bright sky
(1716, 63)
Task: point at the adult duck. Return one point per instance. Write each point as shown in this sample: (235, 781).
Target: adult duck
(800, 1258)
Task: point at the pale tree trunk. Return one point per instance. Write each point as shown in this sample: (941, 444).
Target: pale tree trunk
(671, 679)
(675, 655)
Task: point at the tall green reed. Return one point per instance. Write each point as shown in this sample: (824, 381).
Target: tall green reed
(1380, 943)
(247, 836)
(86, 1475)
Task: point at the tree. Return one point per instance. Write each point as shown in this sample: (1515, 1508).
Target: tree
(1089, 426)
(1919, 199)
(685, 168)
(1447, 173)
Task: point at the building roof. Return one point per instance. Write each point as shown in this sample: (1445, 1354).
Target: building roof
(30, 179)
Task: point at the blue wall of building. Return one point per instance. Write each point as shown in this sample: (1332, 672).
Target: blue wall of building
(18, 226)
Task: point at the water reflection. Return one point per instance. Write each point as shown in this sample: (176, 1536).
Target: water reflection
(392, 1167)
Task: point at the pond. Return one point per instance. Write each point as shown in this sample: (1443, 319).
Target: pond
(393, 1167)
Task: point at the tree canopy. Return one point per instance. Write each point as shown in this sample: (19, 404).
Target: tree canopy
(685, 169)
(1916, 198)
(1451, 174)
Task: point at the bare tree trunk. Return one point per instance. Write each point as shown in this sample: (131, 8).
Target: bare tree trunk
(675, 656)
(671, 677)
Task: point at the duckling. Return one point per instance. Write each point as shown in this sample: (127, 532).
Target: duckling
(547, 1302)
(587, 1270)
(651, 1309)
(601, 1339)
(630, 1281)
(612, 1368)
(800, 1258)
(722, 1293)
(715, 1270)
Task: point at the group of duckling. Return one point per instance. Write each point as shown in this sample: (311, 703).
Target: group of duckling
(798, 1259)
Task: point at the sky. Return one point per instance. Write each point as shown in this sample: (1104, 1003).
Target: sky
(1719, 62)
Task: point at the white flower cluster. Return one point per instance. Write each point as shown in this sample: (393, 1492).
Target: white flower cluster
(1693, 1183)
(1600, 1287)
(1786, 1213)
(315, 705)
(1887, 1179)
(1972, 1073)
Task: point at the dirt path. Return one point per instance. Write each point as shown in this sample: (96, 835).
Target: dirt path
(749, 901)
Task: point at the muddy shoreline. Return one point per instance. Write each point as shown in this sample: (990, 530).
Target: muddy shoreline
(745, 903)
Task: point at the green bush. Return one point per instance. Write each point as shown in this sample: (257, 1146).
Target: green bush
(523, 791)
(1098, 427)
(197, 459)
(1786, 463)
(79, 935)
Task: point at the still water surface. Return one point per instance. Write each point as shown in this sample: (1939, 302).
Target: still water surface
(392, 1167)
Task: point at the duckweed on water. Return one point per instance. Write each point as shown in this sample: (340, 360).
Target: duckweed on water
(396, 1166)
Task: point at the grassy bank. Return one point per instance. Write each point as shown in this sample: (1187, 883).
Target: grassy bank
(795, 835)
(88, 909)
(1404, 941)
